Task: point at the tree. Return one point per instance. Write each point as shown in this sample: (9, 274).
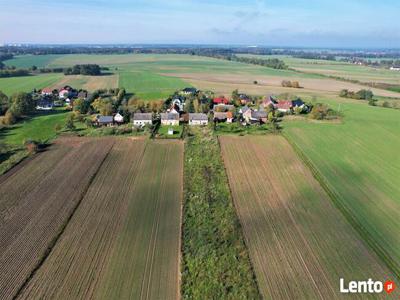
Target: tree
(57, 127)
(69, 123)
(344, 93)
(121, 94)
(103, 106)
(4, 103)
(9, 118)
(22, 104)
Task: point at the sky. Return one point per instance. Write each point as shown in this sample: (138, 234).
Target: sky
(291, 23)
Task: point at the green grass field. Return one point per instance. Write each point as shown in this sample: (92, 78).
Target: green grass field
(27, 61)
(359, 162)
(149, 86)
(40, 128)
(13, 85)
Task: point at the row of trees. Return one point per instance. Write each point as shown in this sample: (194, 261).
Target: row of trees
(88, 69)
(273, 63)
(360, 95)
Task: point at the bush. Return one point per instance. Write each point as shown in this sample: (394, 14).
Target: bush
(32, 146)
(322, 111)
(8, 119)
(385, 104)
(57, 127)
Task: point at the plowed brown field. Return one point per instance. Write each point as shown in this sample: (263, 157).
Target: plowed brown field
(123, 241)
(36, 202)
(300, 244)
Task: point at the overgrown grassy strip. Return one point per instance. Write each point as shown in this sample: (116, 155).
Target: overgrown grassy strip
(362, 231)
(215, 263)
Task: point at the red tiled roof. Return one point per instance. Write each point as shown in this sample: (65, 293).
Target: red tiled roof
(284, 104)
(229, 115)
(221, 100)
(47, 90)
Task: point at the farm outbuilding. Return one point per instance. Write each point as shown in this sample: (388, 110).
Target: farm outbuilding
(141, 119)
(198, 119)
(170, 119)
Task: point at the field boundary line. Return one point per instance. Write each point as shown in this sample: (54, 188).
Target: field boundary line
(238, 218)
(53, 243)
(357, 226)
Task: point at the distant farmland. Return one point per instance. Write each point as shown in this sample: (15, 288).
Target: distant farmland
(156, 76)
(13, 85)
(300, 244)
(119, 237)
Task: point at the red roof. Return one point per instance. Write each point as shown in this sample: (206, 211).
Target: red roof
(229, 115)
(47, 90)
(284, 104)
(221, 100)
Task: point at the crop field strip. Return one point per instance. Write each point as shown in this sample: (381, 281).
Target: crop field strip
(123, 241)
(37, 201)
(361, 171)
(300, 244)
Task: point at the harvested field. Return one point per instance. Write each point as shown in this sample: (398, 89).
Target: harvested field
(36, 203)
(123, 241)
(300, 244)
(225, 83)
(90, 83)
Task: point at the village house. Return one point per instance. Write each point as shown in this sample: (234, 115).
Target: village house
(170, 119)
(269, 102)
(246, 113)
(221, 100)
(45, 104)
(105, 120)
(258, 116)
(141, 119)
(244, 99)
(223, 117)
(118, 118)
(64, 93)
(223, 107)
(189, 91)
(395, 68)
(298, 103)
(198, 119)
(284, 106)
(47, 91)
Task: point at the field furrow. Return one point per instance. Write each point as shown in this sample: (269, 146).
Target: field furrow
(300, 244)
(123, 240)
(40, 212)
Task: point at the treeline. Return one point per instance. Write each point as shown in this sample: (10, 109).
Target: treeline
(312, 55)
(273, 63)
(360, 95)
(89, 69)
(13, 73)
(3, 57)
(165, 49)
